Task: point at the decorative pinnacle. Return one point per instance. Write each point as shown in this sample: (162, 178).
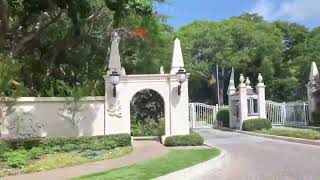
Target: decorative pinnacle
(241, 79)
(231, 81)
(260, 78)
(248, 81)
(114, 60)
(161, 70)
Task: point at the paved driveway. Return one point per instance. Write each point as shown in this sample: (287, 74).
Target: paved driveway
(255, 158)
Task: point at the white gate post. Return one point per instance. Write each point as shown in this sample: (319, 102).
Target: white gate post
(304, 114)
(194, 117)
(284, 113)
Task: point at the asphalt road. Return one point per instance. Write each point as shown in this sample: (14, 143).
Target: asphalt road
(254, 158)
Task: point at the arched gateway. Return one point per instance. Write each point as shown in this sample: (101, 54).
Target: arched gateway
(120, 88)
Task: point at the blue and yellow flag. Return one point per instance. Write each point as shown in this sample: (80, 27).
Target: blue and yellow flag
(212, 80)
(214, 76)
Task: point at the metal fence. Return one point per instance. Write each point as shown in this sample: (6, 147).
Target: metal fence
(203, 115)
(281, 114)
(287, 113)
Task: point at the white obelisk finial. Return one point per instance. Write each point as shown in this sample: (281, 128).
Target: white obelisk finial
(177, 58)
(114, 60)
(313, 72)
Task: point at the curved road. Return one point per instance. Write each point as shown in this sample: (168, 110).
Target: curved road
(255, 158)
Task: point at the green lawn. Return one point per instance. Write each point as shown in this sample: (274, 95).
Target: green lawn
(174, 161)
(290, 132)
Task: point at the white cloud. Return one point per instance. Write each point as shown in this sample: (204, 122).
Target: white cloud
(292, 10)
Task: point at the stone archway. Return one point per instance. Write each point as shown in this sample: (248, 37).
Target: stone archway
(117, 113)
(147, 114)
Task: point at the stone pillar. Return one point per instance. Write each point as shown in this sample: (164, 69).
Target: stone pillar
(243, 103)
(179, 103)
(261, 97)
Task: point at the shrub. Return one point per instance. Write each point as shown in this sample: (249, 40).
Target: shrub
(315, 119)
(4, 147)
(68, 147)
(36, 152)
(256, 124)
(223, 117)
(17, 158)
(192, 139)
(149, 127)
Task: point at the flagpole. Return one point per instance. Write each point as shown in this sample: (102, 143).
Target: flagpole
(218, 85)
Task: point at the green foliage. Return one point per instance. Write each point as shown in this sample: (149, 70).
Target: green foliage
(194, 139)
(148, 128)
(256, 124)
(281, 51)
(4, 147)
(18, 152)
(60, 64)
(69, 143)
(146, 105)
(17, 158)
(69, 147)
(315, 119)
(9, 73)
(223, 117)
(36, 152)
(147, 112)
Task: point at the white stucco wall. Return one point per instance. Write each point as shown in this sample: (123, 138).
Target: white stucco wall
(51, 117)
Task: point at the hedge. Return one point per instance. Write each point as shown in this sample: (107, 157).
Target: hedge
(68, 143)
(256, 124)
(223, 117)
(192, 139)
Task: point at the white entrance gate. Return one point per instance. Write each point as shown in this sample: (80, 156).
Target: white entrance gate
(120, 88)
(287, 113)
(202, 115)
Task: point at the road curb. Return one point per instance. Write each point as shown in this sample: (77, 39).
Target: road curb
(196, 170)
(283, 138)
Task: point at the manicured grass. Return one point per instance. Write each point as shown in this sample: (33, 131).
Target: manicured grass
(174, 161)
(59, 160)
(297, 133)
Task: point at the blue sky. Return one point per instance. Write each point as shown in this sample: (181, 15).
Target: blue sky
(182, 12)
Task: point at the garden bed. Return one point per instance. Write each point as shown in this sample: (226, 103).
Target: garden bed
(32, 155)
(174, 161)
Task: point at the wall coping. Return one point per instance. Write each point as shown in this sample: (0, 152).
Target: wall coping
(55, 99)
(150, 77)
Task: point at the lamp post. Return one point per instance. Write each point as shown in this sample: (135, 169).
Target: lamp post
(115, 78)
(182, 77)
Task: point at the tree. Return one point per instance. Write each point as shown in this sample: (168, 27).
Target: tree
(66, 40)
(248, 46)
